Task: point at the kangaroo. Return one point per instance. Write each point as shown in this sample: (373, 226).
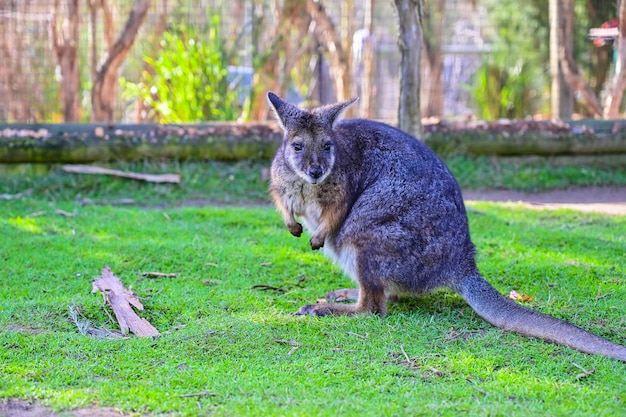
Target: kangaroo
(385, 208)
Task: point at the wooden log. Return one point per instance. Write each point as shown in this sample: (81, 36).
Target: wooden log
(86, 143)
(526, 144)
(78, 143)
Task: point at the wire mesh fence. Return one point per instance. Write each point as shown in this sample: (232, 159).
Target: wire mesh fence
(265, 45)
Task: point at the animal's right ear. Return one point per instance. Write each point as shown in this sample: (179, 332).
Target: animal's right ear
(286, 113)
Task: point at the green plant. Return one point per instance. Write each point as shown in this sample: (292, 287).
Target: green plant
(504, 91)
(188, 80)
(511, 82)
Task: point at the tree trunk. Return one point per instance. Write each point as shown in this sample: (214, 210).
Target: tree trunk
(276, 53)
(367, 91)
(577, 82)
(432, 89)
(618, 83)
(410, 43)
(327, 35)
(561, 95)
(105, 83)
(65, 42)
(561, 50)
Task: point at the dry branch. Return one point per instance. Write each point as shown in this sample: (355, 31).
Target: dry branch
(159, 274)
(88, 169)
(121, 301)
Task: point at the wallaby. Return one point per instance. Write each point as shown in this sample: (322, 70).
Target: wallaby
(390, 213)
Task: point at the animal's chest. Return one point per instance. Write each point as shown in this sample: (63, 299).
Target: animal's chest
(303, 201)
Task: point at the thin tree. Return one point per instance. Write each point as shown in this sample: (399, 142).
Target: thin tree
(367, 91)
(106, 80)
(561, 22)
(295, 33)
(65, 43)
(432, 89)
(410, 43)
(561, 95)
(618, 83)
(326, 34)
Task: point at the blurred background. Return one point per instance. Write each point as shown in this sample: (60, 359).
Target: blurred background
(203, 60)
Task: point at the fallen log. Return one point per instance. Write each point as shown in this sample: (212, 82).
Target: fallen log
(87, 143)
(526, 144)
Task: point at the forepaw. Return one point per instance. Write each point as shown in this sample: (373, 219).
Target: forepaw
(295, 229)
(317, 242)
(320, 309)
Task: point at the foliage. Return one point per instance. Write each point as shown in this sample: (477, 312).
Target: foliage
(188, 79)
(511, 83)
(501, 91)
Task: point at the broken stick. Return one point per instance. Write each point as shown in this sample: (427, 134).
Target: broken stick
(88, 169)
(122, 301)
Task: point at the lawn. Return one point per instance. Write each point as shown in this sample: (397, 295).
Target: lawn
(230, 344)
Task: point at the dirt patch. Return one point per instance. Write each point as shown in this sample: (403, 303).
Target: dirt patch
(21, 408)
(608, 200)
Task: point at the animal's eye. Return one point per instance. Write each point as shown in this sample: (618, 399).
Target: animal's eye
(328, 146)
(297, 146)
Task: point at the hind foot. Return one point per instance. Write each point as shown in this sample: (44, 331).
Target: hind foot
(327, 309)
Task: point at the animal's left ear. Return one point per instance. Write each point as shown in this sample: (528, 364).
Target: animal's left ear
(333, 113)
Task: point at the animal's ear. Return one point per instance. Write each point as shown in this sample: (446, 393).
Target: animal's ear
(286, 113)
(333, 113)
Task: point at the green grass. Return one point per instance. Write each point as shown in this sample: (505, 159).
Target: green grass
(230, 348)
(532, 175)
(244, 183)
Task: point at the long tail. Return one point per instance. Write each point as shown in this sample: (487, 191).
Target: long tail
(506, 314)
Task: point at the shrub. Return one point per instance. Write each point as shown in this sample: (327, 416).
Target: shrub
(187, 81)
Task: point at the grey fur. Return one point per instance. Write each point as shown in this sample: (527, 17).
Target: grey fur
(389, 211)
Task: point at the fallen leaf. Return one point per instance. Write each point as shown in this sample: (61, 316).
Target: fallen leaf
(514, 295)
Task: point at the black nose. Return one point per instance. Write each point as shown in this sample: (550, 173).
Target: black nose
(315, 171)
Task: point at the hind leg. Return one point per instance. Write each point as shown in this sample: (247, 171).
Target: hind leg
(371, 300)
